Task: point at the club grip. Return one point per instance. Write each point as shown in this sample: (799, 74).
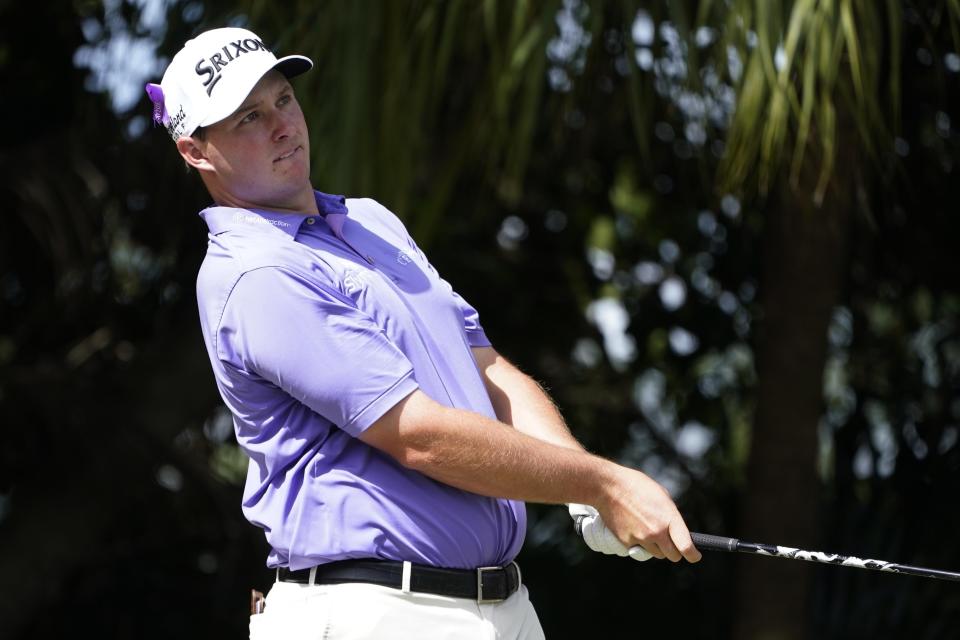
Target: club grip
(705, 541)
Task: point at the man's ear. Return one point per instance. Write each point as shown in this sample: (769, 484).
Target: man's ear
(193, 152)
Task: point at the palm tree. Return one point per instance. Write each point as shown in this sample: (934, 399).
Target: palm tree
(818, 105)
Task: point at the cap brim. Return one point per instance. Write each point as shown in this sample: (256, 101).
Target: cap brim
(292, 66)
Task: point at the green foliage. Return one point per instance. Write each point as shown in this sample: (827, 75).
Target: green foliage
(571, 167)
(804, 62)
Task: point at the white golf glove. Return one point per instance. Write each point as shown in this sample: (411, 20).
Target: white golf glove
(598, 537)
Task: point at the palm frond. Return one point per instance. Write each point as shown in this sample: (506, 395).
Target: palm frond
(832, 57)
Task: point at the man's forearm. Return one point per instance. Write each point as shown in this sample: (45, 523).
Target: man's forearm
(520, 401)
(475, 453)
(472, 452)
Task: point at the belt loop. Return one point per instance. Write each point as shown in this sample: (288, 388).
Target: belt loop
(405, 577)
(519, 576)
(278, 574)
(313, 575)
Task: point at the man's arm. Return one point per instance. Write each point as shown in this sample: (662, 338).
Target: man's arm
(474, 453)
(520, 401)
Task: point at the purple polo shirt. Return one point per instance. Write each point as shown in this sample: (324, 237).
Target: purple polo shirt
(315, 327)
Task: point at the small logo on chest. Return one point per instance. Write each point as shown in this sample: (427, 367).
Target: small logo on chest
(404, 258)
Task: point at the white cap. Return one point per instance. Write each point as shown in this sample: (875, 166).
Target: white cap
(211, 77)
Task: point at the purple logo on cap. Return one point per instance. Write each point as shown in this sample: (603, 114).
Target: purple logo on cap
(159, 108)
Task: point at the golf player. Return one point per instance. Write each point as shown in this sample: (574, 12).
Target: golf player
(391, 447)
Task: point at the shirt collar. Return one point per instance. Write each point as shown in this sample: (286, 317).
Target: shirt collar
(328, 204)
(333, 208)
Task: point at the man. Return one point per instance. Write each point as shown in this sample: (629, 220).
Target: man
(391, 447)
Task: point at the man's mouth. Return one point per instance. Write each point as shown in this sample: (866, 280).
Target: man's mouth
(288, 154)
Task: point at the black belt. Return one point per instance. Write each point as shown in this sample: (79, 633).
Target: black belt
(485, 584)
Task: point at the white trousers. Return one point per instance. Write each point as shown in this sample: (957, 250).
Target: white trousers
(353, 611)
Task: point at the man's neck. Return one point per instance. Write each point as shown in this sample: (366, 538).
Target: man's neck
(303, 202)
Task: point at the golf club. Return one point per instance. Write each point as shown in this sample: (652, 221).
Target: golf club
(708, 542)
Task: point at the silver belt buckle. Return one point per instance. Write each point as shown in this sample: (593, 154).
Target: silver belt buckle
(480, 598)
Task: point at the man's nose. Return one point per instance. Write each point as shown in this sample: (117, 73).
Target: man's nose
(282, 127)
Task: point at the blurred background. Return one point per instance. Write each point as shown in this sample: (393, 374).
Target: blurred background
(723, 234)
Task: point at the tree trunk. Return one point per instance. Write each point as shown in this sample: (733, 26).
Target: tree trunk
(805, 258)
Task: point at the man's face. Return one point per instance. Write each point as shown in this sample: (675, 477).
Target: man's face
(260, 156)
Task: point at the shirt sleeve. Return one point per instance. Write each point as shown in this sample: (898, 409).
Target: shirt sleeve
(471, 322)
(313, 343)
(476, 336)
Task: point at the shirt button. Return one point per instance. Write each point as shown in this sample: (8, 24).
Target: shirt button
(310, 220)
(369, 259)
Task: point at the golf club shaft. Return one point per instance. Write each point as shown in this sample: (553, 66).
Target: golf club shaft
(706, 542)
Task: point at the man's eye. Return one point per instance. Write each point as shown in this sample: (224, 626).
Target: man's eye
(250, 117)
(283, 100)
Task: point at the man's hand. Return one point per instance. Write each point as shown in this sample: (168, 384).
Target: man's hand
(638, 511)
(598, 537)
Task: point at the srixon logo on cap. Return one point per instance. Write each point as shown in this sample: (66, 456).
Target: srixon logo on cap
(210, 67)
